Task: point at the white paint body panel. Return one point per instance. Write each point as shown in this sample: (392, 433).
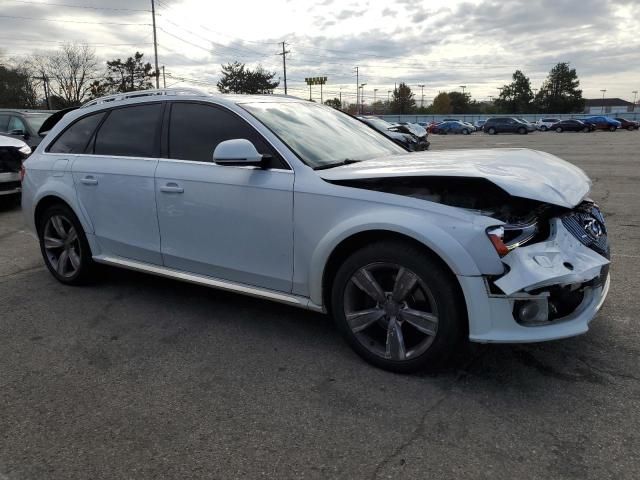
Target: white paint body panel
(270, 233)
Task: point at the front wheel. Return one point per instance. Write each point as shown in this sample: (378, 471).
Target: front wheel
(586, 129)
(559, 129)
(630, 128)
(612, 128)
(397, 306)
(64, 246)
(522, 130)
(492, 131)
(465, 131)
(543, 128)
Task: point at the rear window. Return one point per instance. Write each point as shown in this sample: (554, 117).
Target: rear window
(130, 131)
(75, 138)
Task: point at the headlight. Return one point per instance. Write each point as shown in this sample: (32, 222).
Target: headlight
(25, 150)
(507, 237)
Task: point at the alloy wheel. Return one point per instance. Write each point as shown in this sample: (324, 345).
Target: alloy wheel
(391, 311)
(62, 246)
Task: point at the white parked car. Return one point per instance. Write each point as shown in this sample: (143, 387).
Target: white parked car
(544, 124)
(298, 203)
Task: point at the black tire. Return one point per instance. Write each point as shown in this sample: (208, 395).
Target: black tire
(84, 272)
(612, 128)
(465, 131)
(431, 274)
(543, 128)
(492, 131)
(559, 129)
(522, 131)
(630, 128)
(586, 129)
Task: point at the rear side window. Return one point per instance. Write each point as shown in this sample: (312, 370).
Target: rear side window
(130, 131)
(196, 129)
(75, 138)
(4, 123)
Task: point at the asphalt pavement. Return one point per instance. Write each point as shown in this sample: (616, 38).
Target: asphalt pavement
(142, 377)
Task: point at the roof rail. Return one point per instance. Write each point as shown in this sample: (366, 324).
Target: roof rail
(118, 97)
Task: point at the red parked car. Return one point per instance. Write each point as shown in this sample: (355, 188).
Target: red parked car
(628, 124)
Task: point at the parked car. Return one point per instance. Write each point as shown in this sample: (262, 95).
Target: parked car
(570, 126)
(299, 203)
(445, 128)
(628, 124)
(23, 125)
(401, 135)
(497, 125)
(600, 122)
(12, 154)
(543, 124)
(479, 124)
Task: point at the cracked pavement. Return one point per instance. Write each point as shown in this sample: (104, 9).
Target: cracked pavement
(143, 377)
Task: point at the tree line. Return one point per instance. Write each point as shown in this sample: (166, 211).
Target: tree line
(72, 75)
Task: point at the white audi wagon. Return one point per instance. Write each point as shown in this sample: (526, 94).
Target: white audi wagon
(298, 203)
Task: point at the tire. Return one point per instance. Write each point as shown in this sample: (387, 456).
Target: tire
(432, 303)
(630, 128)
(612, 128)
(465, 131)
(66, 240)
(492, 131)
(543, 128)
(586, 129)
(522, 131)
(559, 129)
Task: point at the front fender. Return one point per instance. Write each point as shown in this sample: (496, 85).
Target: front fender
(410, 223)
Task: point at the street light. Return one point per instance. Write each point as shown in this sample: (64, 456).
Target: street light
(374, 100)
(604, 90)
(362, 98)
(463, 87)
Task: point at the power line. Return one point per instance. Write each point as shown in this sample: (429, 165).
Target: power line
(71, 21)
(90, 7)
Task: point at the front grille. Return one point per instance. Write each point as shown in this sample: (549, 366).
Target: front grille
(586, 223)
(7, 186)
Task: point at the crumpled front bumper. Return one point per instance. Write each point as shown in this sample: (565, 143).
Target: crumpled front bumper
(534, 273)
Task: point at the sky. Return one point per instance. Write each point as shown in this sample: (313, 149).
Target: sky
(442, 45)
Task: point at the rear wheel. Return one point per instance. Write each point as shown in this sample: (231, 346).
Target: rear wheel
(397, 306)
(64, 246)
(543, 128)
(522, 130)
(612, 128)
(559, 129)
(465, 131)
(630, 128)
(585, 129)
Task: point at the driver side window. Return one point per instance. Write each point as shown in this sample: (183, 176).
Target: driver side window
(195, 129)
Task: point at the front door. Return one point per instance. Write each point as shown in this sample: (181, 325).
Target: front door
(114, 182)
(231, 223)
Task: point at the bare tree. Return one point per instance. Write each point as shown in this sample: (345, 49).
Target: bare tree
(68, 73)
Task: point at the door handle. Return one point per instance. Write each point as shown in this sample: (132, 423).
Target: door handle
(172, 187)
(89, 180)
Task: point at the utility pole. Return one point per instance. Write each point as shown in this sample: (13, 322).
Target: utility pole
(374, 100)
(155, 41)
(421, 95)
(284, 65)
(164, 80)
(341, 106)
(362, 85)
(604, 90)
(357, 90)
(463, 87)
(635, 94)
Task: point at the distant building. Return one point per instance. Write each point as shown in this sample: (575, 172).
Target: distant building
(597, 106)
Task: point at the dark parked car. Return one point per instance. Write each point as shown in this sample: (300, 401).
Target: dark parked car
(23, 125)
(571, 126)
(600, 122)
(398, 133)
(453, 126)
(12, 153)
(628, 124)
(497, 125)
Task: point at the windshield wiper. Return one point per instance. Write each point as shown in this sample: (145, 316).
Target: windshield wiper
(346, 161)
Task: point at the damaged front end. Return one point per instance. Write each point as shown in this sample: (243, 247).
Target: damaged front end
(554, 267)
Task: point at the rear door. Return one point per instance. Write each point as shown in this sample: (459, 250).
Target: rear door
(115, 182)
(230, 222)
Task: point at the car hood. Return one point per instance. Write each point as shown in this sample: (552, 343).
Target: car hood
(520, 172)
(11, 142)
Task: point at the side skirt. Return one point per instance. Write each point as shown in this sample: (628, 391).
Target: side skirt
(288, 299)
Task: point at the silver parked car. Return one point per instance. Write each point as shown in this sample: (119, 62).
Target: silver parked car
(298, 203)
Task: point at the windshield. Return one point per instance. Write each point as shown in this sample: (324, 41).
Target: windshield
(36, 119)
(376, 122)
(322, 136)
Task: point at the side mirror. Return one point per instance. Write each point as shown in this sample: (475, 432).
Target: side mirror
(237, 152)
